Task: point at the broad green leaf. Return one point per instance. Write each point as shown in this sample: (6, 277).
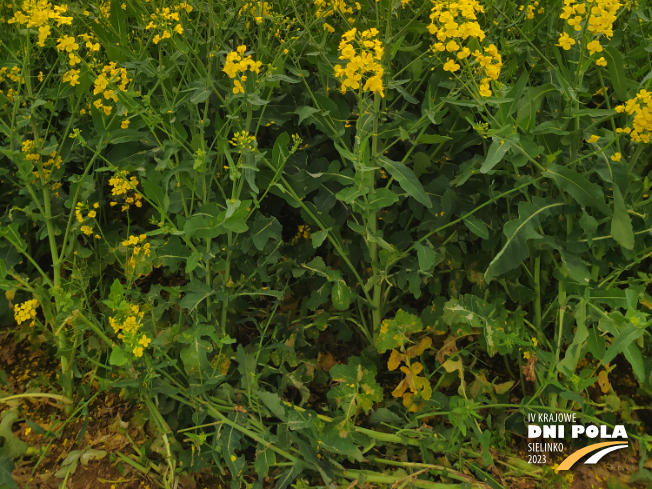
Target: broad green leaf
(630, 334)
(230, 441)
(635, 359)
(394, 332)
(357, 389)
(531, 102)
(280, 152)
(518, 232)
(568, 364)
(477, 227)
(305, 112)
(497, 151)
(288, 476)
(246, 367)
(427, 257)
(193, 261)
(6, 468)
(12, 446)
(265, 458)
(583, 191)
(319, 237)
(615, 66)
(379, 198)
(264, 229)
(118, 357)
(621, 223)
(273, 403)
(341, 295)
(406, 179)
(432, 139)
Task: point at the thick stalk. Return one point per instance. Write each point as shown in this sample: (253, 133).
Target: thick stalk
(372, 220)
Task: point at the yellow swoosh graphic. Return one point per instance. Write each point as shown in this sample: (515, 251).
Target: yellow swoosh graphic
(575, 456)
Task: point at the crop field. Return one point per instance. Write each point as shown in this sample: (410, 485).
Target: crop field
(326, 244)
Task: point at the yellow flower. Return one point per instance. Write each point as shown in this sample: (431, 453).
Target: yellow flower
(601, 62)
(125, 124)
(451, 66)
(593, 139)
(565, 41)
(92, 214)
(328, 27)
(616, 157)
(138, 351)
(237, 87)
(526, 355)
(594, 47)
(87, 230)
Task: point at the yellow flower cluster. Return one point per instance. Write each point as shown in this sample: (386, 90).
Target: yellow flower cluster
(136, 241)
(12, 74)
(123, 187)
(326, 8)
(641, 108)
(26, 311)
(40, 14)
(256, 9)
(243, 141)
(127, 329)
(529, 12)
(599, 15)
(303, 231)
(92, 214)
(362, 63)
(30, 148)
(167, 21)
(455, 25)
(236, 63)
(110, 74)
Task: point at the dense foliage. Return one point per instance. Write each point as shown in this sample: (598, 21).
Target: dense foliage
(304, 235)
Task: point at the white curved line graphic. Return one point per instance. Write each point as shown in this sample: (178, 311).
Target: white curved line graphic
(595, 458)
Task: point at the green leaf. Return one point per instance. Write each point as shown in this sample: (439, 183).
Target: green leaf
(118, 357)
(341, 295)
(265, 458)
(568, 364)
(530, 102)
(12, 446)
(497, 151)
(246, 367)
(319, 237)
(630, 334)
(273, 403)
(635, 359)
(427, 257)
(265, 229)
(477, 227)
(193, 261)
(230, 441)
(621, 223)
(6, 468)
(583, 191)
(518, 232)
(406, 179)
(615, 66)
(432, 139)
(379, 198)
(305, 112)
(357, 389)
(288, 476)
(394, 332)
(155, 193)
